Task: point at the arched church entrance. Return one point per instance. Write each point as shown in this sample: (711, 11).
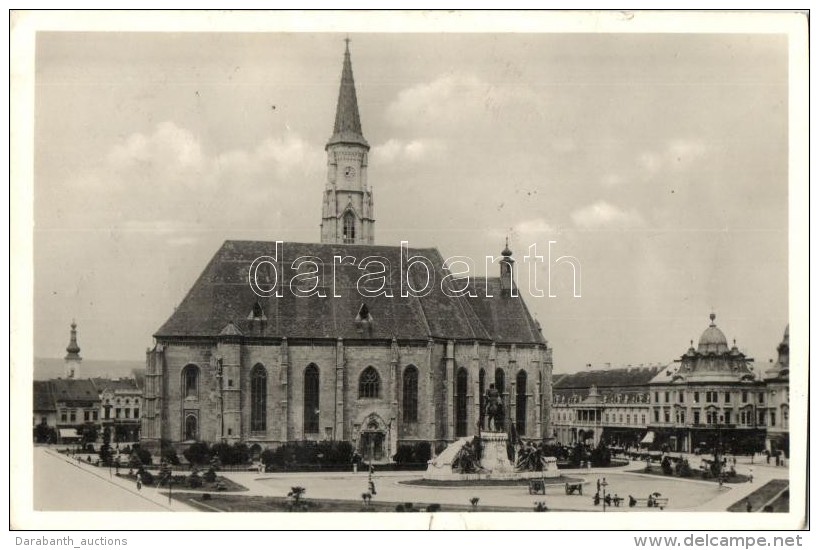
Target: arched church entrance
(372, 439)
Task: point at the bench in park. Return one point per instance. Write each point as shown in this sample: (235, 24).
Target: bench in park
(572, 488)
(651, 502)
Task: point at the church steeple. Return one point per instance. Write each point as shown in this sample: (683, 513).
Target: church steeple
(347, 128)
(72, 358)
(347, 204)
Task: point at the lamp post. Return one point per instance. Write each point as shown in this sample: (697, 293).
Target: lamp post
(603, 485)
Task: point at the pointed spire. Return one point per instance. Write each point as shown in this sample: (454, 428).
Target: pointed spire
(347, 128)
(73, 349)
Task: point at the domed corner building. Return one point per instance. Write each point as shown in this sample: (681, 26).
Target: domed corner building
(710, 397)
(777, 381)
(321, 359)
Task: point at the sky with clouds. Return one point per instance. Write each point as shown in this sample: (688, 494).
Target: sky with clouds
(659, 161)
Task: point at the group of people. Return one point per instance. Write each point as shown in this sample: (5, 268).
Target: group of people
(608, 499)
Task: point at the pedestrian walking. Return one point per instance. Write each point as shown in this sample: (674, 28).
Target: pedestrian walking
(139, 481)
(598, 484)
(751, 475)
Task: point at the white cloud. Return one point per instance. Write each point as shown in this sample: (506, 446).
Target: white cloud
(605, 215)
(171, 155)
(165, 182)
(434, 99)
(169, 144)
(537, 226)
(396, 150)
(456, 103)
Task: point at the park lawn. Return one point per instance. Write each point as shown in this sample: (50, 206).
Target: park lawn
(489, 482)
(238, 503)
(207, 487)
(761, 496)
(696, 475)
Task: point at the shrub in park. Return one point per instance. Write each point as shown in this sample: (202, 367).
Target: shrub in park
(194, 480)
(146, 476)
(198, 453)
(229, 455)
(143, 454)
(415, 453)
(169, 454)
(600, 456)
(268, 457)
(210, 475)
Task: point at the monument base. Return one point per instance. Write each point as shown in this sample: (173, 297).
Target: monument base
(495, 463)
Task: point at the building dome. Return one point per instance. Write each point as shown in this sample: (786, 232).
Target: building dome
(712, 339)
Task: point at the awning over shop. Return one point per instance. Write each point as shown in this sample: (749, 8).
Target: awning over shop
(648, 439)
(68, 433)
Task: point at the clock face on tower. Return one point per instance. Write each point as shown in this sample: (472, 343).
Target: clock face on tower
(349, 172)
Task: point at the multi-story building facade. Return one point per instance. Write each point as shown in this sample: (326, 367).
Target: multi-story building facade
(610, 405)
(120, 407)
(77, 404)
(778, 401)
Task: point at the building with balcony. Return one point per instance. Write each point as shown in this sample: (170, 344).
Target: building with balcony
(610, 405)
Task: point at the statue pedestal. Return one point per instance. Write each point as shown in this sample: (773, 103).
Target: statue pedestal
(494, 457)
(495, 463)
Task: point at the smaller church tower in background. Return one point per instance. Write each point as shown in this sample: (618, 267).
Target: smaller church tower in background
(72, 358)
(347, 205)
(507, 272)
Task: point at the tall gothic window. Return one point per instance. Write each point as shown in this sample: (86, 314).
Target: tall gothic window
(461, 382)
(190, 427)
(369, 384)
(190, 381)
(258, 399)
(520, 403)
(410, 395)
(500, 381)
(349, 228)
(311, 399)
